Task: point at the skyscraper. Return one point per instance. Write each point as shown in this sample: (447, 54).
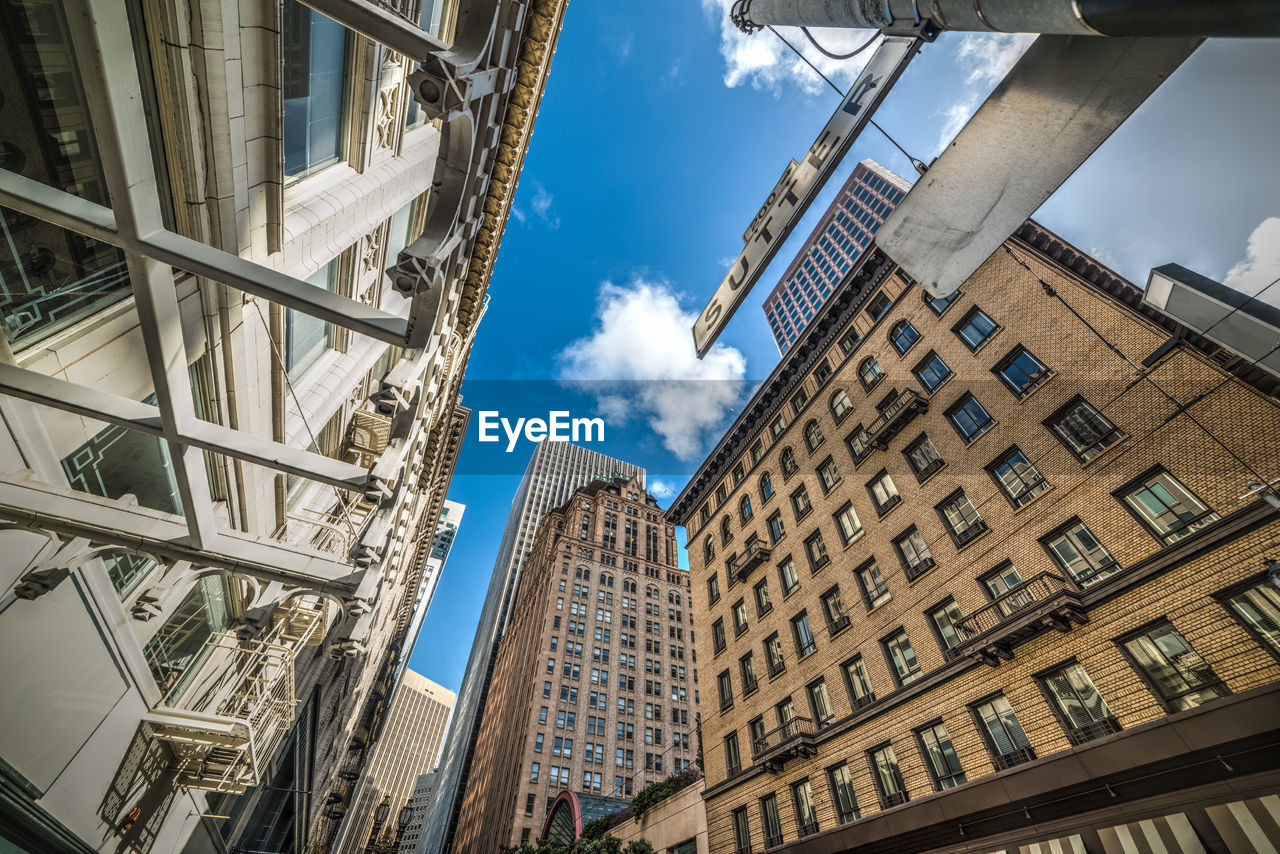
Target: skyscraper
(411, 739)
(554, 472)
(589, 693)
(846, 228)
(419, 802)
(436, 555)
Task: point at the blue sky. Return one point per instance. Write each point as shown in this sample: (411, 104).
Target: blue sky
(658, 138)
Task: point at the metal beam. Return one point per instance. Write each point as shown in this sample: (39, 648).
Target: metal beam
(1055, 107)
(1056, 17)
(103, 521)
(83, 217)
(382, 26)
(145, 418)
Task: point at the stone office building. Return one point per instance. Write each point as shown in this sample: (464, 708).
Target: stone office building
(227, 432)
(595, 684)
(983, 573)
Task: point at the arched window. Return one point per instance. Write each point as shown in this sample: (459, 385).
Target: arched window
(903, 335)
(870, 371)
(726, 532)
(766, 487)
(841, 405)
(744, 509)
(708, 549)
(788, 461)
(813, 435)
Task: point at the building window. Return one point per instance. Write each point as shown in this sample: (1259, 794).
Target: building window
(945, 618)
(776, 528)
(806, 815)
(744, 509)
(903, 336)
(732, 756)
(1078, 551)
(975, 328)
(763, 604)
(757, 450)
(741, 831)
(766, 487)
(306, 338)
(1022, 372)
(179, 647)
(841, 405)
(1083, 429)
(800, 502)
(799, 401)
(940, 756)
(833, 610)
(849, 341)
(843, 798)
(713, 589)
(747, 665)
(961, 517)
(969, 418)
(822, 372)
(878, 306)
(813, 435)
(884, 494)
(923, 458)
(931, 371)
(889, 784)
(788, 462)
(1079, 705)
(816, 549)
(773, 654)
(739, 472)
(1002, 732)
(726, 530)
(858, 443)
(739, 611)
(875, 591)
(859, 685)
(1017, 477)
(870, 372)
(1167, 507)
(1002, 581)
(534, 769)
(1258, 607)
(828, 474)
(913, 552)
(315, 70)
(726, 690)
(708, 550)
(787, 574)
(902, 658)
(1180, 678)
(940, 304)
(804, 637)
(770, 821)
(717, 635)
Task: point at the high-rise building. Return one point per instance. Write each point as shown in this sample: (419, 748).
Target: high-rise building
(845, 230)
(420, 804)
(992, 577)
(411, 739)
(593, 684)
(230, 366)
(555, 471)
(437, 554)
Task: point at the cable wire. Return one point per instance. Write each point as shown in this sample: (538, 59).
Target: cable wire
(859, 49)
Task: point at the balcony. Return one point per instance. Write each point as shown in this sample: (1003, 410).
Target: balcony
(893, 799)
(224, 724)
(793, 739)
(1044, 602)
(1095, 729)
(894, 417)
(1017, 756)
(756, 554)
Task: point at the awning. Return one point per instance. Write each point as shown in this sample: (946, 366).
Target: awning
(1065, 845)
(1170, 834)
(1249, 826)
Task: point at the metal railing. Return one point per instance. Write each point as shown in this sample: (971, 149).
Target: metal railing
(894, 417)
(1006, 606)
(1018, 756)
(795, 728)
(1092, 730)
(755, 555)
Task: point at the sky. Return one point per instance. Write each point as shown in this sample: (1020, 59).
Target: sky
(658, 138)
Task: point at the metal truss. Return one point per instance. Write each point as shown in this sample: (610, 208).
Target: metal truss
(465, 85)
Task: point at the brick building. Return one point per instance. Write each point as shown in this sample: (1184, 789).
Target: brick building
(970, 580)
(594, 687)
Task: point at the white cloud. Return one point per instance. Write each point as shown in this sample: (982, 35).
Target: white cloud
(765, 63)
(663, 488)
(641, 353)
(1261, 264)
(984, 58)
(520, 215)
(541, 204)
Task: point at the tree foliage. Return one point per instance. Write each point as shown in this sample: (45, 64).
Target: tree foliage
(604, 843)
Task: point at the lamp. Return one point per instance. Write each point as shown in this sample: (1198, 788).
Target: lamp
(380, 813)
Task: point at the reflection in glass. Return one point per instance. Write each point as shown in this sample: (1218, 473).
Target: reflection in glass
(315, 51)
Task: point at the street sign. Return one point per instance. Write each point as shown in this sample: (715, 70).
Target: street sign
(800, 183)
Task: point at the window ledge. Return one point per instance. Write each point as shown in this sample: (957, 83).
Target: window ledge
(1105, 451)
(1032, 502)
(995, 422)
(928, 392)
(1043, 382)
